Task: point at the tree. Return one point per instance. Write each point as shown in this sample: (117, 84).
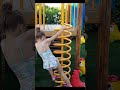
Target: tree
(52, 15)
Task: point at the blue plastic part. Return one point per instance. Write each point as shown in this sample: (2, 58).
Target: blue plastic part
(75, 16)
(83, 16)
(97, 3)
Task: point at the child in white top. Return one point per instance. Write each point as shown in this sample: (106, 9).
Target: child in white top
(50, 62)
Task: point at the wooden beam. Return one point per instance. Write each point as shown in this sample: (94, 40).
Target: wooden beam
(93, 16)
(93, 21)
(1, 2)
(103, 45)
(40, 13)
(11, 1)
(44, 16)
(78, 36)
(21, 5)
(93, 4)
(68, 13)
(36, 17)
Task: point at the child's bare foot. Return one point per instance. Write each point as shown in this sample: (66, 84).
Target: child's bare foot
(70, 86)
(54, 78)
(65, 85)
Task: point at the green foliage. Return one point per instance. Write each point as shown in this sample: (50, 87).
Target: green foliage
(52, 15)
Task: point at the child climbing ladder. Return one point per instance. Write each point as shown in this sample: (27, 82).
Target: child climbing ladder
(50, 62)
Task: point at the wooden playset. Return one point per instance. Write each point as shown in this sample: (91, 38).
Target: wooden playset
(65, 36)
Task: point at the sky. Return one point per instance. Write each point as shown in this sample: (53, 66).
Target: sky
(53, 4)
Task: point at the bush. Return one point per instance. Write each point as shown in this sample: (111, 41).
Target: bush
(52, 15)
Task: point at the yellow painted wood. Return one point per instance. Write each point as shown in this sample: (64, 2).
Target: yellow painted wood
(66, 14)
(36, 14)
(40, 13)
(44, 16)
(21, 5)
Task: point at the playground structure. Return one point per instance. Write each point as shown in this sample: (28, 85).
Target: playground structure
(99, 12)
(76, 82)
(70, 16)
(93, 11)
(22, 5)
(82, 66)
(62, 59)
(64, 38)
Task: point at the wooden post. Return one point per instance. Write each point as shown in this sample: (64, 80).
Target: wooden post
(66, 13)
(11, 1)
(103, 45)
(40, 14)
(36, 22)
(44, 16)
(69, 13)
(62, 23)
(93, 4)
(1, 2)
(62, 40)
(78, 36)
(36, 17)
(21, 5)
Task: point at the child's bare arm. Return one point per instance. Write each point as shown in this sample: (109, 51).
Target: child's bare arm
(56, 35)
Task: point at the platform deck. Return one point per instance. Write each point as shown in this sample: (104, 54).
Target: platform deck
(49, 29)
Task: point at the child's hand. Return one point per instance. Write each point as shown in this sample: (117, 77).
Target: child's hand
(63, 27)
(77, 27)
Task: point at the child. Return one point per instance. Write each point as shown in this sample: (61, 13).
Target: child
(50, 62)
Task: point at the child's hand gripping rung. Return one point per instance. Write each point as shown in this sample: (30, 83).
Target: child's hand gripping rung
(56, 29)
(67, 27)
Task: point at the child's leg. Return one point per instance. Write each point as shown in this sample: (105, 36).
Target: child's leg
(60, 70)
(52, 74)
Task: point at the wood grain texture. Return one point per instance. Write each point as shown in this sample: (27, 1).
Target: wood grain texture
(78, 36)
(103, 45)
(49, 29)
